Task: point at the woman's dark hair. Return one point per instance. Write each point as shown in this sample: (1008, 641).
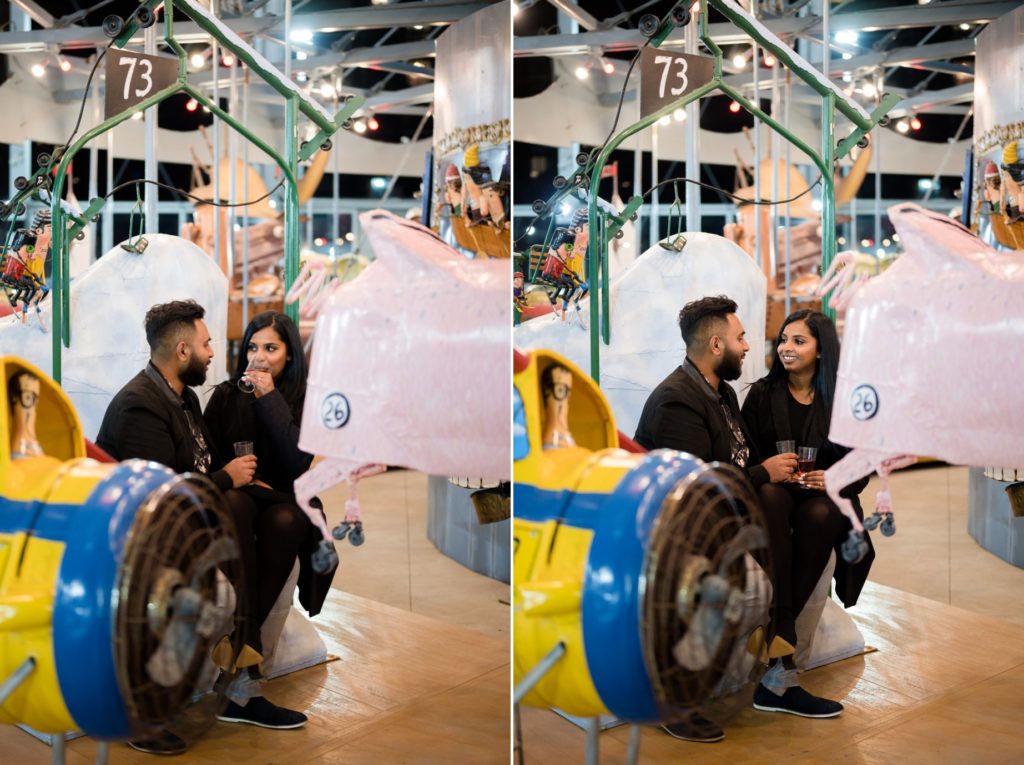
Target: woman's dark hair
(824, 380)
(293, 378)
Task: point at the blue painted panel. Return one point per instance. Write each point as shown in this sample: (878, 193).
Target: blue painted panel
(83, 616)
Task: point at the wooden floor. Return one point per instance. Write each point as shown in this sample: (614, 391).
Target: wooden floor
(945, 686)
(406, 689)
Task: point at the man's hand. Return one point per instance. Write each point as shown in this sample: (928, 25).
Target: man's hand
(241, 470)
(781, 467)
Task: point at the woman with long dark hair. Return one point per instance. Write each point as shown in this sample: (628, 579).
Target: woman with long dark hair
(793, 402)
(260, 409)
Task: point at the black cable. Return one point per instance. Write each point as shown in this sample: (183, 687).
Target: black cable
(85, 97)
(176, 190)
(741, 200)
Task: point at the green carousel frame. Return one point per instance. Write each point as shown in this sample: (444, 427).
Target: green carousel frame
(67, 226)
(833, 100)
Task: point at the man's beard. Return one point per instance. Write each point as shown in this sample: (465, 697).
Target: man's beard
(731, 366)
(194, 374)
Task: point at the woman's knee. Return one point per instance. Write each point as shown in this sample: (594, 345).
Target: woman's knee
(285, 521)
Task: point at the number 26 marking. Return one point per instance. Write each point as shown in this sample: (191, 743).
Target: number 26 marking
(143, 75)
(666, 62)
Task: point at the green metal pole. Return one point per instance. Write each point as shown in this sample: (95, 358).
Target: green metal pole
(291, 204)
(828, 194)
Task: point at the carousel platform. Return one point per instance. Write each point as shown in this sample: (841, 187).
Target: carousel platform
(943, 687)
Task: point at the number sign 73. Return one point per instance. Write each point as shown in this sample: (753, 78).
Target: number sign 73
(680, 66)
(145, 75)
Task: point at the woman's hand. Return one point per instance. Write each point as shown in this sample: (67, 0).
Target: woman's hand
(262, 382)
(814, 479)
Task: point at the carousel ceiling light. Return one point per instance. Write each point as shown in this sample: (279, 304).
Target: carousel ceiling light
(327, 90)
(38, 70)
(349, 236)
(869, 90)
(198, 60)
(965, 27)
(679, 115)
(191, 105)
(903, 126)
(847, 36)
(372, 124)
(359, 127)
(228, 60)
(886, 242)
(582, 73)
(137, 115)
(739, 61)
(301, 55)
(301, 36)
(734, 107)
(865, 242)
(608, 67)
(378, 183)
(64, 64)
(841, 241)
(915, 123)
(666, 120)
(847, 56)
(770, 61)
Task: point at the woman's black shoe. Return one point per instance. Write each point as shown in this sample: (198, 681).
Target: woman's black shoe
(795, 701)
(695, 728)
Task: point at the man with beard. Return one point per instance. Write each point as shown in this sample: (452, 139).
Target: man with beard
(156, 416)
(695, 410)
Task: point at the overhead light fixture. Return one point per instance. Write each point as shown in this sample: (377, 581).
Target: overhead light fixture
(666, 120)
(301, 36)
(378, 2)
(301, 55)
(378, 183)
(582, 73)
(64, 64)
(228, 60)
(608, 67)
(841, 241)
(349, 236)
(137, 115)
(372, 124)
(327, 90)
(770, 61)
(847, 56)
(38, 70)
(679, 115)
(847, 36)
(198, 60)
(531, 230)
(965, 27)
(915, 123)
(886, 242)
(739, 61)
(903, 126)
(734, 107)
(925, 184)
(359, 126)
(191, 105)
(417, 26)
(869, 90)
(865, 242)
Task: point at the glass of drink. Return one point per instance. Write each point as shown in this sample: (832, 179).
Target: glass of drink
(242, 448)
(806, 455)
(785, 447)
(243, 382)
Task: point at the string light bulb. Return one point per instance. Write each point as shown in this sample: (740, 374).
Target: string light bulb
(38, 70)
(734, 107)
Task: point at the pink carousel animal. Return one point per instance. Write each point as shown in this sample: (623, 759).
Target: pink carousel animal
(411, 365)
(931, 360)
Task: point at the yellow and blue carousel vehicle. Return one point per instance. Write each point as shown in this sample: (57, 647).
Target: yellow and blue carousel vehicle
(637, 576)
(112, 575)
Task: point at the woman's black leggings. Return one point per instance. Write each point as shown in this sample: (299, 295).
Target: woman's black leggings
(271, 534)
(802, 531)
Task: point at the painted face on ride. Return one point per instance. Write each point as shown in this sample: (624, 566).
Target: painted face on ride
(798, 348)
(734, 349)
(269, 351)
(200, 356)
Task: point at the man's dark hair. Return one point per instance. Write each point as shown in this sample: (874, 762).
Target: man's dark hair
(699, 320)
(168, 322)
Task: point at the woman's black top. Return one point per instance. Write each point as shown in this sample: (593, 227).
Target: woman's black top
(772, 414)
(269, 422)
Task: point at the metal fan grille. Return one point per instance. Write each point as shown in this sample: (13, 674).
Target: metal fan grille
(179, 530)
(711, 523)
